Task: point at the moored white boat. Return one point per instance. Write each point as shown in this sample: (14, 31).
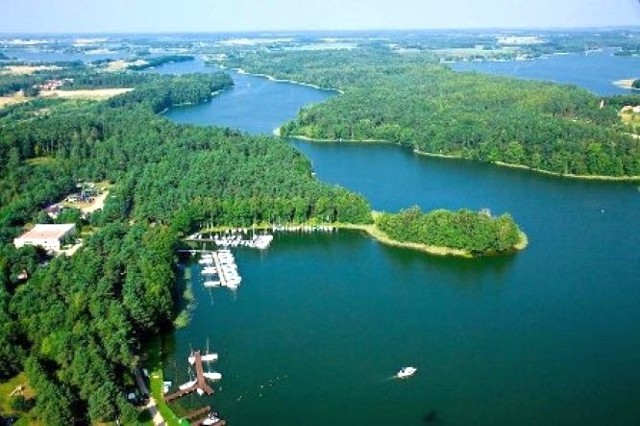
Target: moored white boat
(210, 357)
(187, 385)
(211, 420)
(213, 376)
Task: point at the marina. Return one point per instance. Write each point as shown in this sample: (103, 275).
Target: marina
(247, 237)
(220, 269)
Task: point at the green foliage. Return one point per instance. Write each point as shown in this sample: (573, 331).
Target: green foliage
(636, 84)
(21, 403)
(405, 100)
(160, 60)
(163, 92)
(55, 400)
(84, 318)
(464, 229)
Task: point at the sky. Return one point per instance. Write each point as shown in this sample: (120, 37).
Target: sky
(114, 16)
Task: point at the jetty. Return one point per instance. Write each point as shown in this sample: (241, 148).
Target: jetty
(200, 385)
(220, 269)
(197, 414)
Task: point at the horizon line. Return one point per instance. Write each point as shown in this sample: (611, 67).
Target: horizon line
(252, 31)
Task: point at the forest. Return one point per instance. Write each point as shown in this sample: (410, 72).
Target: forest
(412, 101)
(77, 325)
(474, 232)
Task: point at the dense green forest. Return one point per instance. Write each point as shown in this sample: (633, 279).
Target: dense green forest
(407, 100)
(77, 325)
(475, 232)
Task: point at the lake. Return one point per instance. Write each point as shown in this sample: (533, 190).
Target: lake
(596, 70)
(321, 322)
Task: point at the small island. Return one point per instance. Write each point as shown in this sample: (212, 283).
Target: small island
(459, 233)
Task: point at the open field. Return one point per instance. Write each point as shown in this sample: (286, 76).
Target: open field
(16, 98)
(27, 69)
(94, 94)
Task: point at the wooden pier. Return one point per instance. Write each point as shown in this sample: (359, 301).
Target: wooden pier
(201, 381)
(198, 413)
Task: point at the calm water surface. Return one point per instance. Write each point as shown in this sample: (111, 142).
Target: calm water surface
(595, 71)
(322, 322)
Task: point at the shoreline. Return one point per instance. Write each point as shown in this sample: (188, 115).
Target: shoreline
(378, 235)
(455, 157)
(280, 80)
(373, 231)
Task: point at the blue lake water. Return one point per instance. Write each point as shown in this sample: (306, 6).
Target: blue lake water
(548, 336)
(595, 71)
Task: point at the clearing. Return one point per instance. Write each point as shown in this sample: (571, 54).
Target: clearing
(94, 94)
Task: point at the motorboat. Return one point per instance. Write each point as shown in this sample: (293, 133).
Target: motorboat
(212, 283)
(188, 385)
(211, 420)
(406, 372)
(212, 375)
(210, 357)
(263, 241)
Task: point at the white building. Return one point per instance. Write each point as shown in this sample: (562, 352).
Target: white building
(48, 237)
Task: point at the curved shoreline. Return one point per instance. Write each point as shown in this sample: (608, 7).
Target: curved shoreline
(280, 80)
(377, 234)
(456, 157)
(383, 238)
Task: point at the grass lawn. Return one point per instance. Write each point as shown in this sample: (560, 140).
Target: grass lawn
(154, 364)
(6, 388)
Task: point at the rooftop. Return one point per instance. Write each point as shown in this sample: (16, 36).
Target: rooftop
(48, 232)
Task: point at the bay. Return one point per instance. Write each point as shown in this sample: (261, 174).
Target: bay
(321, 322)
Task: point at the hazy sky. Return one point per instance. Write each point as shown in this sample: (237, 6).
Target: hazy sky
(246, 15)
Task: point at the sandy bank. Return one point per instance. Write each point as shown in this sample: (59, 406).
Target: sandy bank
(626, 83)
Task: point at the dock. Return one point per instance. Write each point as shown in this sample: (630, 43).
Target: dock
(203, 416)
(201, 382)
(197, 413)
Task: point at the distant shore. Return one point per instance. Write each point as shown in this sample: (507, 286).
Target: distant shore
(626, 83)
(279, 80)
(456, 157)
